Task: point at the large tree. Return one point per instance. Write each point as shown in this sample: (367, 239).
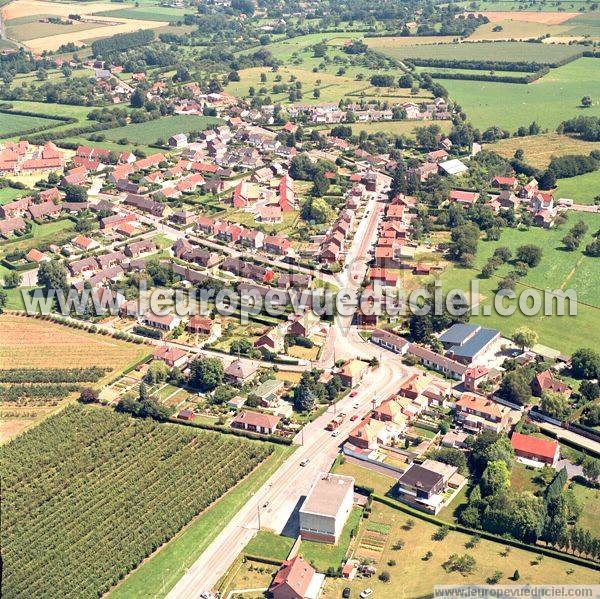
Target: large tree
(206, 373)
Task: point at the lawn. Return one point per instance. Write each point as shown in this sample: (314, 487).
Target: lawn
(549, 100)
(583, 189)
(322, 555)
(8, 194)
(148, 133)
(18, 124)
(398, 127)
(163, 570)
(558, 268)
(539, 149)
(590, 500)
(525, 479)
(381, 483)
(269, 545)
(412, 576)
(247, 574)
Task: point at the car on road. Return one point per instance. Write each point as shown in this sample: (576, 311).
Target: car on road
(265, 504)
(354, 417)
(356, 406)
(304, 462)
(346, 593)
(353, 393)
(366, 593)
(335, 433)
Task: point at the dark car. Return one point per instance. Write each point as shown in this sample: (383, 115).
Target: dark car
(346, 593)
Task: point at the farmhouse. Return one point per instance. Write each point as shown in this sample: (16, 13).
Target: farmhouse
(546, 381)
(326, 508)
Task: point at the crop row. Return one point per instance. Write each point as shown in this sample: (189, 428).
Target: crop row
(90, 493)
(52, 375)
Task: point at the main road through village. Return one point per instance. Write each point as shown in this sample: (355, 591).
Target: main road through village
(274, 504)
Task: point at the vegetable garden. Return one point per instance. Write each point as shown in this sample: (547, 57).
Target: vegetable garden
(90, 493)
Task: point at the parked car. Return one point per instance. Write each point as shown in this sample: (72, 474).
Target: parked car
(366, 593)
(354, 417)
(346, 593)
(353, 393)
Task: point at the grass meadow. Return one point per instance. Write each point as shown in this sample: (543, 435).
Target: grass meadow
(583, 189)
(148, 133)
(539, 149)
(558, 269)
(13, 124)
(549, 100)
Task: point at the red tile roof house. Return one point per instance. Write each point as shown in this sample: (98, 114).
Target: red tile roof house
(256, 422)
(165, 323)
(534, 451)
(200, 324)
(36, 256)
(504, 182)
(276, 244)
(296, 579)
(545, 381)
(10, 225)
(171, 356)
(466, 198)
(474, 377)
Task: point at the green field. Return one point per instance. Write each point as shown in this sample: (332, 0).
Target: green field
(550, 100)
(531, 5)
(56, 231)
(398, 127)
(496, 51)
(18, 124)
(558, 268)
(148, 133)
(268, 544)
(582, 189)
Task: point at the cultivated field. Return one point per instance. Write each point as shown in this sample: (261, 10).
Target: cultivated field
(91, 493)
(539, 149)
(36, 343)
(547, 18)
(550, 100)
(53, 36)
(412, 576)
(10, 124)
(513, 28)
(148, 133)
(496, 51)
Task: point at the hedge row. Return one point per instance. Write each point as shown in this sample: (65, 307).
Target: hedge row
(234, 431)
(579, 561)
(263, 560)
(491, 78)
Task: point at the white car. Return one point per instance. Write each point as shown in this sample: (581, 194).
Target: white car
(335, 433)
(356, 406)
(304, 462)
(366, 593)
